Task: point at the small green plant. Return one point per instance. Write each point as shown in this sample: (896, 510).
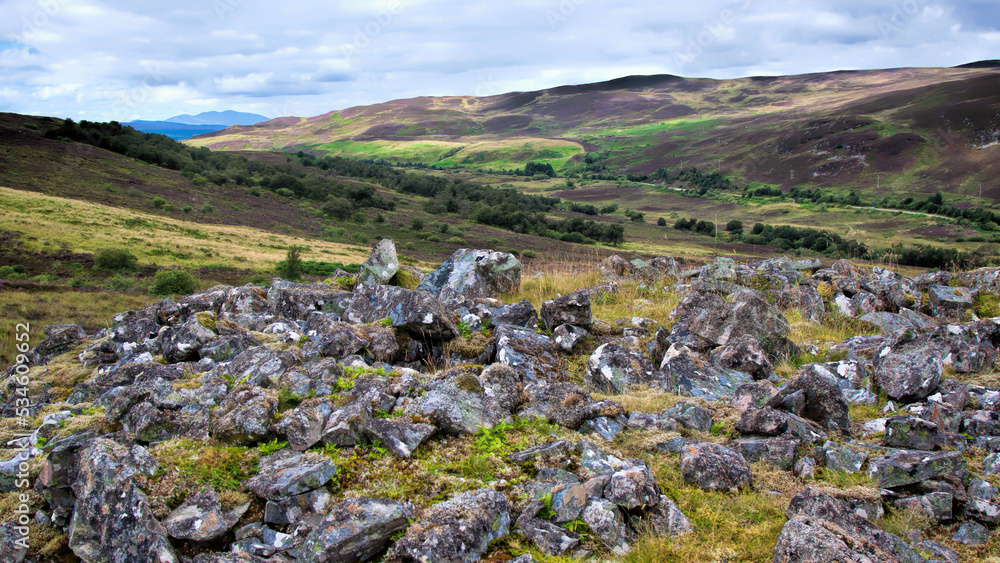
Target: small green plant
(207, 209)
(268, 448)
(173, 282)
(159, 202)
(115, 259)
(986, 305)
(187, 209)
(464, 330)
(384, 322)
(718, 428)
(291, 267)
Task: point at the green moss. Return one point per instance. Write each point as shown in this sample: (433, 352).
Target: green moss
(986, 305)
(468, 382)
(222, 467)
(207, 320)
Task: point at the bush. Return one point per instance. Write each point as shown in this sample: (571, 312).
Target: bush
(15, 272)
(115, 259)
(291, 267)
(433, 238)
(159, 202)
(173, 282)
(661, 222)
(187, 209)
(417, 224)
(456, 240)
(529, 254)
(119, 282)
(208, 209)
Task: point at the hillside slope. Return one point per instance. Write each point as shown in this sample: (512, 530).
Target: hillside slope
(918, 130)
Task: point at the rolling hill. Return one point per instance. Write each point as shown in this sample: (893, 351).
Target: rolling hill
(909, 130)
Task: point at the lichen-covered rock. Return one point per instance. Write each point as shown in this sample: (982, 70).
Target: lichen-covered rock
(746, 355)
(332, 337)
(245, 416)
(971, 533)
(613, 369)
(567, 337)
(533, 356)
(841, 458)
(521, 314)
(469, 274)
(259, 366)
(713, 318)
(356, 530)
(937, 506)
(665, 519)
(903, 467)
(606, 522)
(457, 530)
(949, 303)
(112, 520)
(303, 425)
(762, 422)
(399, 435)
(572, 309)
(824, 400)
(549, 538)
(416, 313)
(605, 427)
(633, 487)
(287, 473)
(680, 374)
(714, 467)
(58, 339)
(381, 264)
(297, 301)
(458, 404)
(779, 452)
(911, 433)
(182, 343)
(906, 370)
(561, 490)
(201, 518)
(567, 404)
(690, 416)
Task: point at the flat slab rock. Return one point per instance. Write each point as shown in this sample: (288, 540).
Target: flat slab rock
(287, 473)
(457, 530)
(355, 530)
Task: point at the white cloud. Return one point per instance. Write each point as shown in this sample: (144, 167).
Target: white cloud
(302, 57)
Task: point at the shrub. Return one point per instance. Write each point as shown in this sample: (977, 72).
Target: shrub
(417, 224)
(187, 209)
(291, 267)
(433, 238)
(159, 202)
(359, 238)
(529, 254)
(114, 259)
(173, 282)
(661, 222)
(15, 272)
(456, 240)
(285, 192)
(207, 209)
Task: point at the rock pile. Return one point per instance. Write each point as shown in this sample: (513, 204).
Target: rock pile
(300, 370)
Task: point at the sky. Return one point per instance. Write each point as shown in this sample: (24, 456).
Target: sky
(153, 59)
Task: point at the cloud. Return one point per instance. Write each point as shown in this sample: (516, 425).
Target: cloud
(153, 59)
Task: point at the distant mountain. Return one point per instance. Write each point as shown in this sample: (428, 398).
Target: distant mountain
(182, 127)
(227, 118)
(919, 130)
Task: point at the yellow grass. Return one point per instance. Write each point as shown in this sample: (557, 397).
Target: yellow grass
(88, 227)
